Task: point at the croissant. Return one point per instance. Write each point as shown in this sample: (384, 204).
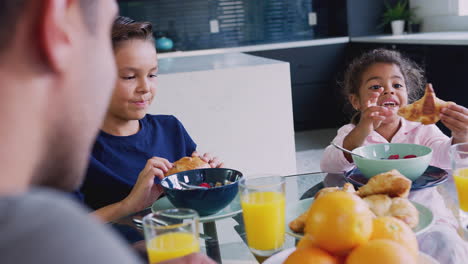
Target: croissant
(187, 163)
(347, 187)
(425, 110)
(404, 210)
(401, 208)
(379, 204)
(391, 183)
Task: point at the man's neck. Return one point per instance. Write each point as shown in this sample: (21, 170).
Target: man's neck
(21, 131)
(120, 127)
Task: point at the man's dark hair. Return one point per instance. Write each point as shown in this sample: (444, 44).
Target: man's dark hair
(12, 10)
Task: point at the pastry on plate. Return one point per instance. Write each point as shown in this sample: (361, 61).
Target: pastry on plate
(187, 163)
(401, 208)
(404, 210)
(425, 110)
(391, 183)
(379, 204)
(347, 187)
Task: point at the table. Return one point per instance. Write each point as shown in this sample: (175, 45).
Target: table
(225, 240)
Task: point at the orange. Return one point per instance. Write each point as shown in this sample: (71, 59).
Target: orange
(338, 222)
(396, 230)
(310, 255)
(381, 251)
(305, 242)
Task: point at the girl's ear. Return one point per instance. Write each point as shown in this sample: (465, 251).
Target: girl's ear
(354, 99)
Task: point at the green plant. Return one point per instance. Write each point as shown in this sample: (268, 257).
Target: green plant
(400, 11)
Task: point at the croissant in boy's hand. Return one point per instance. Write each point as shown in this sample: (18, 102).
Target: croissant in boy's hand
(187, 163)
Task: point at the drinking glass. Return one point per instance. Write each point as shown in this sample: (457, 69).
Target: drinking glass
(459, 158)
(171, 233)
(263, 208)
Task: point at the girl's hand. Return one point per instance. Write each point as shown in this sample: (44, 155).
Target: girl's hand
(455, 118)
(212, 161)
(372, 115)
(146, 191)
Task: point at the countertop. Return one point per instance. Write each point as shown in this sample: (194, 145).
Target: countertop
(283, 45)
(210, 62)
(430, 38)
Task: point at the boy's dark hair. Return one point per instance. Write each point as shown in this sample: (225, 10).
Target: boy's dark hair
(12, 10)
(413, 74)
(125, 28)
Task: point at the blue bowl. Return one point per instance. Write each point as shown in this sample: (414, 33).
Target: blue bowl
(204, 201)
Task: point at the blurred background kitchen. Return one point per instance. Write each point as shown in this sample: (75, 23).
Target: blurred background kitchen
(257, 81)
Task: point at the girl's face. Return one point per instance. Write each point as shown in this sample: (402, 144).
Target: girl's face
(387, 79)
(136, 80)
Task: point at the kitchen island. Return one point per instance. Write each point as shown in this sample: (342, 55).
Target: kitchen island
(235, 106)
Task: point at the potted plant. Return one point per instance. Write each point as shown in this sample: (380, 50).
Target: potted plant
(396, 16)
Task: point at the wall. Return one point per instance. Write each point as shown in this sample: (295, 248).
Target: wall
(239, 22)
(437, 15)
(364, 16)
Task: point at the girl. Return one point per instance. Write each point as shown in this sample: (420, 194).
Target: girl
(134, 149)
(377, 85)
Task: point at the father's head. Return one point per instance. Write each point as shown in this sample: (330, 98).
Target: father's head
(57, 73)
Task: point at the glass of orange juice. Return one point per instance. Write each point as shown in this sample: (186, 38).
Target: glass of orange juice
(171, 233)
(263, 208)
(459, 157)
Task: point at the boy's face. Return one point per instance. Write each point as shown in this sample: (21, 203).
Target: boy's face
(137, 69)
(387, 79)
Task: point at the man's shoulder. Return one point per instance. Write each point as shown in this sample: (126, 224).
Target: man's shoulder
(45, 226)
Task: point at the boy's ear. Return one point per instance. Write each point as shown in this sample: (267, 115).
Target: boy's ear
(354, 99)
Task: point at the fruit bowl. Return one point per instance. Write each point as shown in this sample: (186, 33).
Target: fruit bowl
(381, 158)
(205, 201)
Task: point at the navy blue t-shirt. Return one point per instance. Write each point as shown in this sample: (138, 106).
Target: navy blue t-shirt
(116, 161)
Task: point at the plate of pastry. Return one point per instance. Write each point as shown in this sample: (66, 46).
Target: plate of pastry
(433, 176)
(385, 194)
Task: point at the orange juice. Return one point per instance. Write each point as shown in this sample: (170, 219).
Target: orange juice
(171, 245)
(460, 177)
(264, 219)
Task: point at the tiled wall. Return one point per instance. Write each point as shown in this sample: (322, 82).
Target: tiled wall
(241, 22)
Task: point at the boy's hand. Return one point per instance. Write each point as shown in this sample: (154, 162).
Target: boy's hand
(146, 191)
(455, 118)
(214, 162)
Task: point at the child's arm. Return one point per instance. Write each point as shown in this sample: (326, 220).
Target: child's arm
(143, 194)
(455, 118)
(333, 160)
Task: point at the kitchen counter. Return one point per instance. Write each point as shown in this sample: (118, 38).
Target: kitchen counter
(283, 45)
(170, 65)
(430, 38)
